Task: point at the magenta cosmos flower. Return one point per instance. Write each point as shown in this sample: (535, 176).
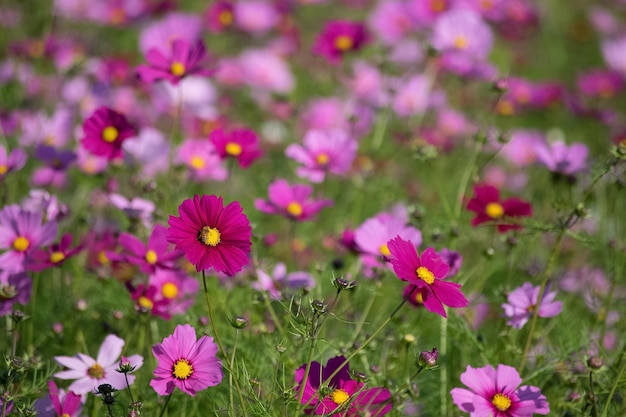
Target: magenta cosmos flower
(523, 301)
(105, 131)
(496, 393)
(323, 151)
(89, 372)
(59, 403)
(212, 235)
(54, 255)
(186, 363)
(241, 144)
(14, 161)
(344, 395)
(488, 207)
(426, 272)
(291, 201)
(339, 37)
(185, 59)
(20, 233)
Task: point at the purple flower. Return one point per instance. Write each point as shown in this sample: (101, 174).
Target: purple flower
(562, 159)
(281, 280)
(59, 403)
(184, 60)
(330, 151)
(13, 162)
(14, 288)
(342, 391)
(136, 208)
(56, 163)
(89, 372)
(185, 363)
(523, 301)
(43, 202)
(291, 201)
(39, 129)
(55, 255)
(462, 31)
(339, 37)
(496, 393)
(453, 259)
(21, 232)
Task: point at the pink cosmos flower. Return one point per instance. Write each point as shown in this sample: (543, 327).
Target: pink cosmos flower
(184, 60)
(89, 372)
(39, 129)
(219, 16)
(14, 289)
(601, 83)
(281, 281)
(328, 113)
(339, 37)
(462, 31)
(162, 33)
(13, 162)
(167, 292)
(136, 209)
(426, 272)
(105, 131)
(291, 201)
(212, 235)
(330, 151)
(265, 71)
(21, 232)
(343, 391)
(496, 393)
(149, 150)
(55, 255)
(186, 363)
(520, 148)
(391, 21)
(614, 53)
(488, 206)
(202, 159)
(255, 16)
(523, 301)
(560, 158)
(241, 144)
(56, 162)
(413, 96)
(59, 403)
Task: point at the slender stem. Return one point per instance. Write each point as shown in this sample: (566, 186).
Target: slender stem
(443, 375)
(544, 281)
(208, 304)
(275, 319)
(593, 396)
(314, 331)
(167, 400)
(617, 380)
(130, 392)
(230, 377)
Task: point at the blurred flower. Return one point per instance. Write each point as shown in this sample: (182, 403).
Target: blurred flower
(265, 71)
(55, 255)
(89, 372)
(391, 21)
(291, 201)
(219, 16)
(255, 16)
(341, 395)
(184, 60)
(202, 159)
(614, 53)
(496, 392)
(136, 208)
(150, 150)
(280, 280)
(462, 31)
(322, 152)
(105, 131)
(13, 162)
(56, 162)
(212, 235)
(523, 301)
(413, 96)
(46, 203)
(14, 288)
(453, 259)
(162, 33)
(339, 37)
(185, 363)
(601, 83)
(488, 207)
(59, 403)
(520, 149)
(426, 272)
(21, 232)
(39, 129)
(562, 159)
(241, 144)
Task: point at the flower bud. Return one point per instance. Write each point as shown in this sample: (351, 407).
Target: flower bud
(428, 360)
(318, 306)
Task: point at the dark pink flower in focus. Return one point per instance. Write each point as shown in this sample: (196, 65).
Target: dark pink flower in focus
(496, 393)
(105, 131)
(426, 272)
(338, 38)
(344, 395)
(291, 201)
(183, 60)
(488, 206)
(241, 144)
(211, 235)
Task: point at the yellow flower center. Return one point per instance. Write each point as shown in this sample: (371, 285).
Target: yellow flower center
(233, 149)
(418, 297)
(425, 274)
(20, 244)
(145, 302)
(96, 371)
(505, 108)
(177, 69)
(460, 42)
(343, 43)
(65, 415)
(225, 18)
(151, 257)
(3, 169)
(110, 134)
(501, 402)
(384, 250)
(339, 396)
(56, 257)
(197, 162)
(102, 257)
(494, 210)
(322, 158)
(210, 236)
(182, 369)
(169, 290)
(438, 5)
(295, 209)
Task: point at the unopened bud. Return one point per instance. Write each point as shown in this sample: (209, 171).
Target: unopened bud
(428, 360)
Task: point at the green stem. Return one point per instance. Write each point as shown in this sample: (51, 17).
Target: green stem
(314, 332)
(593, 396)
(208, 304)
(544, 281)
(167, 400)
(275, 319)
(231, 378)
(443, 375)
(130, 393)
(617, 379)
